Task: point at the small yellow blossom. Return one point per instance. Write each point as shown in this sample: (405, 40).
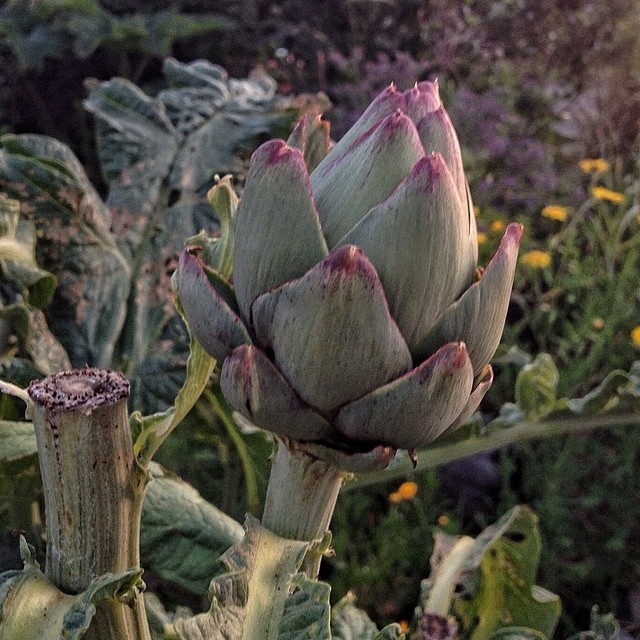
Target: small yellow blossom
(536, 259)
(443, 520)
(635, 337)
(594, 165)
(476, 211)
(607, 195)
(482, 237)
(404, 626)
(555, 212)
(597, 324)
(408, 490)
(497, 225)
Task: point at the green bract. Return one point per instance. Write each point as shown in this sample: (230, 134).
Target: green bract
(356, 322)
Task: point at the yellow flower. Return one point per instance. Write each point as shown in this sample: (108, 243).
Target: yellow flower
(443, 520)
(408, 490)
(497, 225)
(536, 259)
(597, 324)
(482, 237)
(555, 212)
(594, 165)
(404, 626)
(607, 195)
(476, 211)
(635, 337)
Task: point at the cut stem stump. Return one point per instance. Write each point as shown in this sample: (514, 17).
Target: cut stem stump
(93, 490)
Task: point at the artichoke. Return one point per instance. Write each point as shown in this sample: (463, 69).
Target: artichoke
(357, 322)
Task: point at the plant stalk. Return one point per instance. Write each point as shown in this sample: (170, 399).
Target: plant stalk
(301, 498)
(93, 490)
(439, 454)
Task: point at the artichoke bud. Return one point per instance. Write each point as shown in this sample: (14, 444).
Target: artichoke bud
(358, 322)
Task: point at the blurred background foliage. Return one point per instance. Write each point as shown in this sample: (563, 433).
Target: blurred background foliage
(545, 96)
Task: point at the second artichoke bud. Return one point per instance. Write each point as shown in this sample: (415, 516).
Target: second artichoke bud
(355, 323)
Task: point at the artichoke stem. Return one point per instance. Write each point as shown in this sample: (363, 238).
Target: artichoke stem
(93, 490)
(301, 497)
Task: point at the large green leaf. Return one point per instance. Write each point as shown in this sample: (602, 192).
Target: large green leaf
(17, 257)
(493, 585)
(32, 607)
(348, 622)
(261, 595)
(17, 441)
(219, 118)
(183, 535)
(25, 289)
(74, 243)
(132, 128)
(35, 339)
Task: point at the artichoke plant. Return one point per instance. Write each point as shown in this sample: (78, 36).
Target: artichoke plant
(356, 321)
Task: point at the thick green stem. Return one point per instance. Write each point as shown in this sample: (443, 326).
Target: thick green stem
(301, 497)
(93, 490)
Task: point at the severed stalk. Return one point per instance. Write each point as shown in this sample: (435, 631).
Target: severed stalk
(93, 490)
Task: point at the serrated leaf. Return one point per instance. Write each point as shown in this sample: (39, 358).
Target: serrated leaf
(35, 338)
(497, 586)
(17, 256)
(75, 244)
(154, 344)
(32, 607)
(182, 535)
(261, 595)
(348, 622)
(306, 611)
(215, 146)
(131, 128)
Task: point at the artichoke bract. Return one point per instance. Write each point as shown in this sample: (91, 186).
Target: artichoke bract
(358, 322)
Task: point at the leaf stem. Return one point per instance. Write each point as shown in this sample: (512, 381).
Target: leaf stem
(444, 582)
(440, 454)
(216, 400)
